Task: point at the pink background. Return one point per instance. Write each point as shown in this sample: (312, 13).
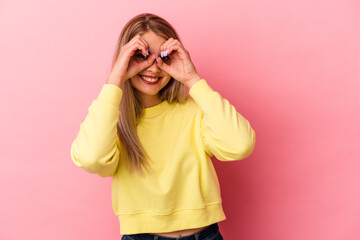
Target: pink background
(290, 67)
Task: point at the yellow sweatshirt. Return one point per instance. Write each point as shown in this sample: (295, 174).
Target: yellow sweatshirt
(183, 191)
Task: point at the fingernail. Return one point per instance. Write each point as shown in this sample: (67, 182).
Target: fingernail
(161, 54)
(165, 53)
(147, 52)
(156, 59)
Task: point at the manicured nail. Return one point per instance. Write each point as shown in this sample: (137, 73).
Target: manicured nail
(147, 52)
(161, 54)
(156, 59)
(165, 53)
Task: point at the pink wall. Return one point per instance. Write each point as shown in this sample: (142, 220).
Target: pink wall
(292, 68)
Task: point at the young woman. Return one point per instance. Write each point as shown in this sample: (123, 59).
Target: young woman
(143, 119)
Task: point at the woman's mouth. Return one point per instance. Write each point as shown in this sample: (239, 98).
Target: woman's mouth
(150, 79)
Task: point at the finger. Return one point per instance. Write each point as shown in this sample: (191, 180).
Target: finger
(160, 63)
(133, 40)
(148, 62)
(138, 39)
(165, 45)
(129, 52)
(144, 42)
(139, 66)
(176, 46)
(138, 45)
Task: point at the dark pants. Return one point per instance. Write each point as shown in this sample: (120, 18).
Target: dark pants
(210, 233)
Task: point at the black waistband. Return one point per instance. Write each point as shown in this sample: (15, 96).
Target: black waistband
(206, 232)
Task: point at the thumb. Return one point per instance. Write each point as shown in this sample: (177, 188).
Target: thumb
(148, 62)
(160, 63)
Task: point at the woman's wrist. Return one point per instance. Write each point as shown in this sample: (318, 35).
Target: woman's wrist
(191, 82)
(115, 81)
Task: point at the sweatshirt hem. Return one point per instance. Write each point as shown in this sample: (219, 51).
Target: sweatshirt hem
(149, 222)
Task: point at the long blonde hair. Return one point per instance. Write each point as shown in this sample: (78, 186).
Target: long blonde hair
(131, 106)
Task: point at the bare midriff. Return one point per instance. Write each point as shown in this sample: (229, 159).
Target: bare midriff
(181, 233)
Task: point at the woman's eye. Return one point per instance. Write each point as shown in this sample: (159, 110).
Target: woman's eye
(140, 56)
(165, 59)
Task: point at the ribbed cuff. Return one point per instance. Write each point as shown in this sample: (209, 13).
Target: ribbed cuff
(110, 94)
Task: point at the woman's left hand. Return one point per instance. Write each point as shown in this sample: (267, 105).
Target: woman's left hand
(178, 63)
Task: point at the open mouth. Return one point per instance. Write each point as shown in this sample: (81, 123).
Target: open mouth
(150, 79)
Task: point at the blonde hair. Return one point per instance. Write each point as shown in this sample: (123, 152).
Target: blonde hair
(131, 106)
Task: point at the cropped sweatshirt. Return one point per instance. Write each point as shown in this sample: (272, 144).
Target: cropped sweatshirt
(182, 191)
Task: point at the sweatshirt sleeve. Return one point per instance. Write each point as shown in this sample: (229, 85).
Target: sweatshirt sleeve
(96, 147)
(225, 132)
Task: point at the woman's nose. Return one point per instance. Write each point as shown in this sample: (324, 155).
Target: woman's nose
(154, 66)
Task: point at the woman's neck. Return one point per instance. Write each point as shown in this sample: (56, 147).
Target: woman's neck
(150, 101)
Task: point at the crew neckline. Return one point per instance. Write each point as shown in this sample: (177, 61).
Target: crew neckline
(156, 110)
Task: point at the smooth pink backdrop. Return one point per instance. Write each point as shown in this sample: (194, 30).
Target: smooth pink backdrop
(290, 67)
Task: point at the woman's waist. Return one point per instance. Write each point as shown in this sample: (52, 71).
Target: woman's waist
(181, 233)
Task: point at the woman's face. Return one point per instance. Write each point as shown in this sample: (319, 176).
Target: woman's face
(152, 79)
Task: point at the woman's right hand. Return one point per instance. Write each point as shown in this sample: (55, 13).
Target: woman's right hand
(126, 65)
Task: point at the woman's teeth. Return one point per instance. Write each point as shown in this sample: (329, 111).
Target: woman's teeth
(149, 79)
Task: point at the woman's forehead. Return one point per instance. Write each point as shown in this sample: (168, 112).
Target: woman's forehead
(153, 40)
